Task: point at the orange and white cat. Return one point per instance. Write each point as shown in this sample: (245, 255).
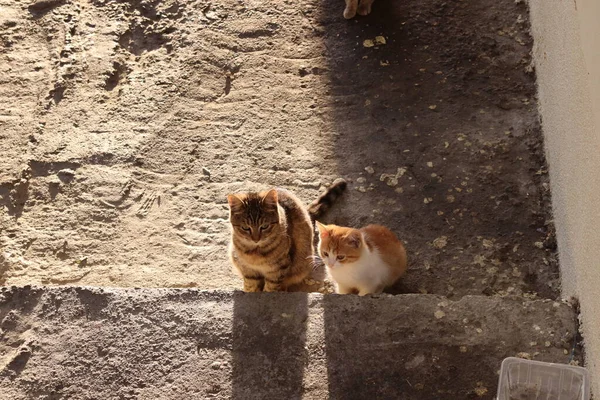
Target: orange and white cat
(362, 261)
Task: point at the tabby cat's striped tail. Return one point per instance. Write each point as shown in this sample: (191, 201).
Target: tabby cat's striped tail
(326, 200)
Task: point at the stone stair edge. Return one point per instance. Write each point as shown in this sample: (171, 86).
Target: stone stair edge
(228, 293)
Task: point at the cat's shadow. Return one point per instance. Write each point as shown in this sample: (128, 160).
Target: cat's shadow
(401, 287)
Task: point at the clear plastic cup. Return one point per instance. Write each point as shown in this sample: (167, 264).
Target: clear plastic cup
(535, 380)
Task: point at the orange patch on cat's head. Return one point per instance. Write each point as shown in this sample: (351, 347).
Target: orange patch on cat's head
(322, 229)
(338, 244)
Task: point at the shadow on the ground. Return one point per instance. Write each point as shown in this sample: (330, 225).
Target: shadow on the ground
(268, 346)
(434, 123)
(435, 126)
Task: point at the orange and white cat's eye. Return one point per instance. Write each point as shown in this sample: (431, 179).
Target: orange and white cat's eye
(326, 254)
(340, 258)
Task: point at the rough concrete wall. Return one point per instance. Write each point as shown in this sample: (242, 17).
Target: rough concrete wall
(567, 56)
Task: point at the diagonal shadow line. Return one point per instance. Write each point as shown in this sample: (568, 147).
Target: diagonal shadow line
(269, 334)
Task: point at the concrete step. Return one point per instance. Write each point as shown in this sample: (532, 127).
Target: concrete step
(93, 343)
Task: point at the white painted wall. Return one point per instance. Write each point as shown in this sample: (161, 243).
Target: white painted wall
(567, 57)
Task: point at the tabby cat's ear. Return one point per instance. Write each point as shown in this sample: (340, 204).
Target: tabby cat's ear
(270, 199)
(322, 229)
(235, 203)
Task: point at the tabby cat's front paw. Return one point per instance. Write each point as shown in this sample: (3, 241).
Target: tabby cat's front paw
(253, 285)
(274, 287)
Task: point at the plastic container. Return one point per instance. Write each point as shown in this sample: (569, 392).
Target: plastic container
(534, 380)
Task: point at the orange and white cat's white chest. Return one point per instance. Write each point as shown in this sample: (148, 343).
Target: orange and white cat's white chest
(369, 269)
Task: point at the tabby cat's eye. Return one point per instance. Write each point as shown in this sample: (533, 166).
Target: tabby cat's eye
(341, 257)
(245, 228)
(262, 228)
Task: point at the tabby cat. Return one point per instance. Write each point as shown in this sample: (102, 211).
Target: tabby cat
(272, 236)
(363, 7)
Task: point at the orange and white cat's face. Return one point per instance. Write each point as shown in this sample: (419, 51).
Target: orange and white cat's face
(339, 245)
(254, 216)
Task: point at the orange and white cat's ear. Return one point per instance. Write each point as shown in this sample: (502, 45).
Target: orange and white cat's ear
(323, 232)
(354, 239)
(270, 199)
(235, 203)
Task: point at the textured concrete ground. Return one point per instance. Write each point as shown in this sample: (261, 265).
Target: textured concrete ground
(124, 125)
(81, 343)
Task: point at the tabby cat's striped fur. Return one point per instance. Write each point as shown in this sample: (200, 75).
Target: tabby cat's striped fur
(272, 236)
